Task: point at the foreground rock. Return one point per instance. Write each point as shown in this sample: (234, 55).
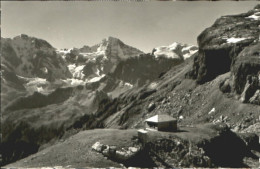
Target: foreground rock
(113, 153)
(201, 146)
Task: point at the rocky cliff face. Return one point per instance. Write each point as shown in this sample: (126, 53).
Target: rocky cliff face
(220, 44)
(230, 44)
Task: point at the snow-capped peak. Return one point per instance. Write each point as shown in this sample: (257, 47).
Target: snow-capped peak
(103, 56)
(175, 51)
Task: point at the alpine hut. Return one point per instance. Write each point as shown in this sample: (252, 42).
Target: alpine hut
(161, 122)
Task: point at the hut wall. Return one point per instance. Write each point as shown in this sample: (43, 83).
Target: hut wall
(167, 126)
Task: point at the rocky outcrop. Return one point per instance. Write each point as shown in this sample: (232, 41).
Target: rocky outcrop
(247, 63)
(220, 44)
(255, 99)
(249, 93)
(220, 147)
(231, 44)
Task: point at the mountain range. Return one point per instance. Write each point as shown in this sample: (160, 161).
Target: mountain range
(37, 79)
(48, 95)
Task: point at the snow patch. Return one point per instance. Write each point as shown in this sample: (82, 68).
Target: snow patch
(95, 79)
(74, 82)
(98, 72)
(213, 110)
(39, 89)
(129, 85)
(35, 84)
(234, 40)
(166, 51)
(64, 51)
(76, 71)
(255, 16)
(189, 51)
(35, 81)
(175, 50)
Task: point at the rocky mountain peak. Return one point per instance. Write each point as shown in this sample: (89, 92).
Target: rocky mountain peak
(111, 39)
(114, 47)
(24, 39)
(32, 57)
(99, 59)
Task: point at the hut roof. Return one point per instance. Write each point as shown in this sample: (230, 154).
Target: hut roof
(160, 118)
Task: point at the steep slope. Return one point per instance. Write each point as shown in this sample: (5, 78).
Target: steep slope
(32, 121)
(11, 87)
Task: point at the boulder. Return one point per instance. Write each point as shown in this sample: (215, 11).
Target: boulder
(225, 86)
(106, 151)
(112, 152)
(151, 106)
(133, 149)
(98, 147)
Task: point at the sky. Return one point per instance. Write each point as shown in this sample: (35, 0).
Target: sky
(144, 25)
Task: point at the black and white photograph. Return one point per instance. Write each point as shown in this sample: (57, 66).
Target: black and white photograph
(130, 84)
